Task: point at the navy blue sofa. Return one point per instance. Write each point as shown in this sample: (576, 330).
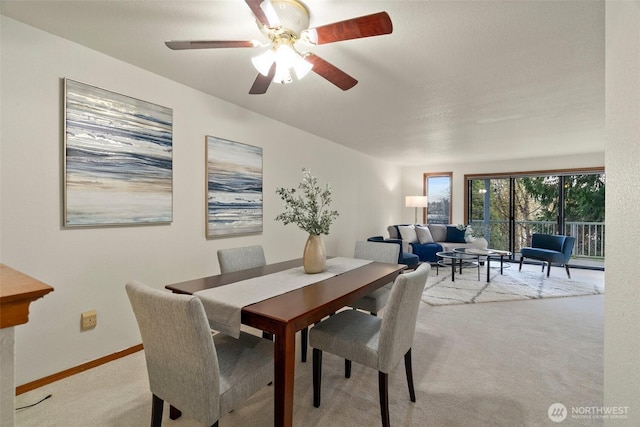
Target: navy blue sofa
(441, 237)
(549, 248)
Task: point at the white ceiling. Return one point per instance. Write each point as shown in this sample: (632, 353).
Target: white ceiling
(474, 79)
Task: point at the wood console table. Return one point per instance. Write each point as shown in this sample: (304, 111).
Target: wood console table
(17, 291)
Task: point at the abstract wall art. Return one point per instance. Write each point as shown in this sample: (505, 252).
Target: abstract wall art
(118, 159)
(234, 188)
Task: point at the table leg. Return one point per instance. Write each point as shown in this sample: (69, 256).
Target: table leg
(284, 374)
(488, 268)
(501, 260)
(453, 270)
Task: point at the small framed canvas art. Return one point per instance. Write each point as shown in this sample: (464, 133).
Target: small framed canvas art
(234, 188)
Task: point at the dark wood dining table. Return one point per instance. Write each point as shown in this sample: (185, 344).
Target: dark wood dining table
(285, 314)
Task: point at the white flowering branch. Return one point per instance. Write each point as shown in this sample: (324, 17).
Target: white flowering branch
(309, 211)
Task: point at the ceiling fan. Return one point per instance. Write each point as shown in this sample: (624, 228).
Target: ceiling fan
(286, 22)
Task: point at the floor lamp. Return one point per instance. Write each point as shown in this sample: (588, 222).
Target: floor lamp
(416, 202)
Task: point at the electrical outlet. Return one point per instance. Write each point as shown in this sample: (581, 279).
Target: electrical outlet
(88, 320)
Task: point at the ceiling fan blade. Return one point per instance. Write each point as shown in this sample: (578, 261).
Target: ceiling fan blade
(264, 12)
(330, 72)
(262, 82)
(376, 24)
(209, 44)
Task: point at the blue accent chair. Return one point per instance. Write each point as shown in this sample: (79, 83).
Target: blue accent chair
(406, 258)
(549, 248)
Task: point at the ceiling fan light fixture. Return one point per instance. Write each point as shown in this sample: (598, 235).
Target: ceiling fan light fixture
(286, 58)
(284, 23)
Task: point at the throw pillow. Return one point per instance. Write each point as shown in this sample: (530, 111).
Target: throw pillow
(408, 233)
(438, 232)
(455, 235)
(424, 235)
(394, 233)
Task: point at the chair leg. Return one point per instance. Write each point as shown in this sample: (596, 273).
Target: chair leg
(521, 259)
(542, 266)
(548, 269)
(304, 343)
(383, 388)
(156, 411)
(409, 371)
(317, 376)
(566, 267)
(347, 368)
(174, 413)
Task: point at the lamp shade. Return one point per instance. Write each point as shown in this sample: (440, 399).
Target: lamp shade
(286, 58)
(263, 61)
(416, 201)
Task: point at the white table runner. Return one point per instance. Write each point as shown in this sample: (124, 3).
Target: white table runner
(224, 303)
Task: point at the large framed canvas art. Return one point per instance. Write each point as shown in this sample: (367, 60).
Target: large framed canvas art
(234, 188)
(118, 159)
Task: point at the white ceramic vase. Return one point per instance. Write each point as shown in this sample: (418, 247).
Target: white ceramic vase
(314, 255)
(480, 243)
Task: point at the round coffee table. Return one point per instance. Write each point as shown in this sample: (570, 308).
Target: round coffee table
(459, 257)
(487, 254)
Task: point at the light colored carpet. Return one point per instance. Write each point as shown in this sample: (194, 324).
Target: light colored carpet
(475, 365)
(530, 283)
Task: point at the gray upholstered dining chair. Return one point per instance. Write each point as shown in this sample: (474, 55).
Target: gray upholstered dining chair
(200, 375)
(371, 341)
(380, 252)
(237, 259)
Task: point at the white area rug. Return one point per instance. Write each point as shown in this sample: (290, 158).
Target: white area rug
(513, 285)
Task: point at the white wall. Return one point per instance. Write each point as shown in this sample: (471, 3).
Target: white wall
(412, 177)
(89, 267)
(622, 299)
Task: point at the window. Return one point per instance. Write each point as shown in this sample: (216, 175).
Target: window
(510, 208)
(437, 188)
